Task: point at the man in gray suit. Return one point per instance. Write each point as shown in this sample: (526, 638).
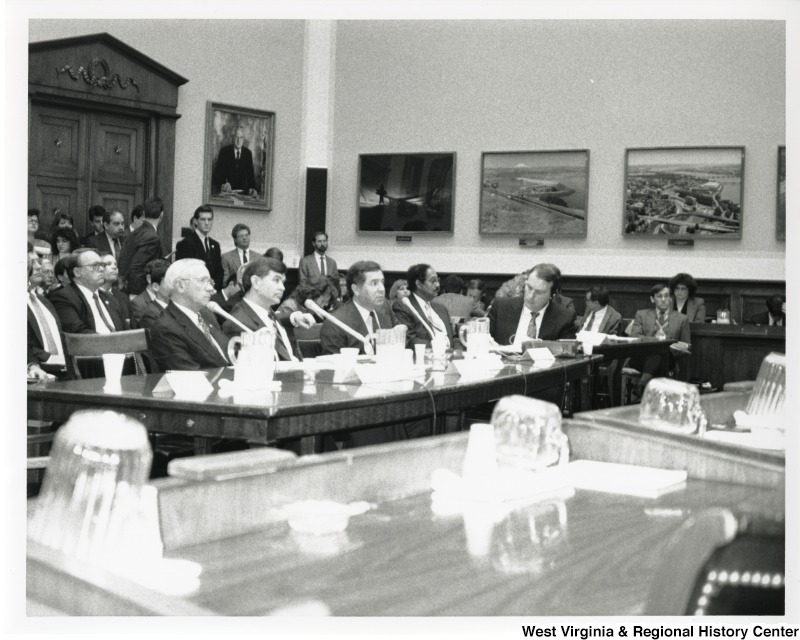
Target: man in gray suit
(600, 317)
(317, 265)
(232, 260)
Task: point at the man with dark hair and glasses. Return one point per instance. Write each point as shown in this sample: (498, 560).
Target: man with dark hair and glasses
(82, 305)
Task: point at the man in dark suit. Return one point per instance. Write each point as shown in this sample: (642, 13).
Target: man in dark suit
(775, 315)
(234, 168)
(600, 317)
(263, 281)
(186, 335)
(533, 315)
(110, 241)
(82, 306)
(201, 246)
(366, 311)
(142, 246)
(428, 316)
(96, 215)
(45, 343)
(148, 305)
(317, 265)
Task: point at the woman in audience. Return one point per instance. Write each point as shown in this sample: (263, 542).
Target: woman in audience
(41, 247)
(399, 290)
(63, 221)
(63, 241)
(60, 273)
(320, 291)
(683, 288)
(336, 291)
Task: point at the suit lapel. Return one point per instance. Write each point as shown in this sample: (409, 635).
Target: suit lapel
(193, 332)
(34, 325)
(414, 303)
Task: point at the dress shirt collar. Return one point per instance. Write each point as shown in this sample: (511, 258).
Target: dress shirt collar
(364, 313)
(192, 315)
(260, 311)
(202, 237)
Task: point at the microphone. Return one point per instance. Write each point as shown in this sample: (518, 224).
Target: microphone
(213, 306)
(313, 306)
(407, 303)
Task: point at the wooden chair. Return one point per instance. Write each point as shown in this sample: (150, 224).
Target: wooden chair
(308, 341)
(720, 564)
(84, 346)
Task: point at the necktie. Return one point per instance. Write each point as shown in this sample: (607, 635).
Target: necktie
(282, 344)
(116, 247)
(373, 320)
(49, 342)
(207, 333)
(237, 155)
(101, 310)
(532, 325)
(244, 256)
(662, 318)
(205, 241)
(322, 265)
(589, 322)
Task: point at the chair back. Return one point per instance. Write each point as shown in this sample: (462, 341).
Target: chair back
(308, 341)
(83, 346)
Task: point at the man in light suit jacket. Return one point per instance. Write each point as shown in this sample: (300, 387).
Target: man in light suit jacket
(142, 246)
(232, 260)
(423, 282)
(316, 265)
(200, 246)
(110, 241)
(600, 317)
(263, 282)
(186, 336)
(661, 322)
(534, 315)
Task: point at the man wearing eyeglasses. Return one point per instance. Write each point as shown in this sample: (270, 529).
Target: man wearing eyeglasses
(663, 322)
(186, 335)
(81, 305)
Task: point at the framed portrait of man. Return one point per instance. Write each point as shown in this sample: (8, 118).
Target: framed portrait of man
(239, 152)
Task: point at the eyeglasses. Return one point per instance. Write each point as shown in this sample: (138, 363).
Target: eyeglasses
(94, 266)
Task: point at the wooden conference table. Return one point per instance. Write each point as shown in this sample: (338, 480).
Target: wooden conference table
(583, 554)
(308, 405)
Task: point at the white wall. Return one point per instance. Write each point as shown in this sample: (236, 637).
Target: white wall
(469, 87)
(256, 64)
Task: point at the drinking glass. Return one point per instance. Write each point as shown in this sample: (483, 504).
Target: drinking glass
(672, 405)
(91, 505)
(769, 392)
(528, 433)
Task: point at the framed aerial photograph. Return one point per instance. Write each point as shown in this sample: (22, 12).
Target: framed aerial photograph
(406, 193)
(534, 193)
(239, 152)
(684, 192)
(780, 216)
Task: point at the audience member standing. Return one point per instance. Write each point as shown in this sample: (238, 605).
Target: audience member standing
(96, 213)
(110, 241)
(235, 258)
(141, 247)
(318, 264)
(201, 246)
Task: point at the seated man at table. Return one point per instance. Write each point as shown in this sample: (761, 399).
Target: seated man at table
(458, 304)
(426, 315)
(600, 317)
(263, 282)
(365, 312)
(186, 335)
(45, 344)
(535, 314)
(664, 322)
(775, 315)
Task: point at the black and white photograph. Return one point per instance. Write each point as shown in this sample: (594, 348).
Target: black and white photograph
(539, 193)
(239, 152)
(684, 192)
(780, 211)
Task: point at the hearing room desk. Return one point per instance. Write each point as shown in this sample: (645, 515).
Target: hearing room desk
(303, 408)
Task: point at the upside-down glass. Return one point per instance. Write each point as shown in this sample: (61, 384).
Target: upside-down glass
(91, 504)
(769, 392)
(672, 405)
(528, 433)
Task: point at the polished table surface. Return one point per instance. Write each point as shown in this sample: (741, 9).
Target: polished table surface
(598, 558)
(308, 404)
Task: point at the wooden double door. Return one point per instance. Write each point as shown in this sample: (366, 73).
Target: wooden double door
(79, 158)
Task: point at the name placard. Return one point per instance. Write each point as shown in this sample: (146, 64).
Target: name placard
(531, 242)
(403, 239)
(680, 242)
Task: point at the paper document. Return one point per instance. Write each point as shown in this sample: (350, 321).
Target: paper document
(624, 479)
